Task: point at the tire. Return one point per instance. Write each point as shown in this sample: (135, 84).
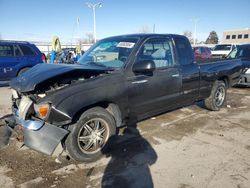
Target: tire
(93, 125)
(218, 96)
(22, 71)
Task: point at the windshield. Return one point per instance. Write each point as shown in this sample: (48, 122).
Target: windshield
(110, 53)
(222, 47)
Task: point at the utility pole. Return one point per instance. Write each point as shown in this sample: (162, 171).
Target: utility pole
(154, 28)
(78, 28)
(195, 21)
(93, 7)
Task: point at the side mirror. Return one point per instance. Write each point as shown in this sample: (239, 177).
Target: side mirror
(144, 66)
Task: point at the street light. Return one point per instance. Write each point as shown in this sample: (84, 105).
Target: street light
(195, 20)
(93, 7)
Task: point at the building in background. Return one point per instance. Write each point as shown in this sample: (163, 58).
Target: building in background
(237, 36)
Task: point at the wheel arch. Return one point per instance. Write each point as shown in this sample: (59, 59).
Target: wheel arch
(111, 107)
(225, 79)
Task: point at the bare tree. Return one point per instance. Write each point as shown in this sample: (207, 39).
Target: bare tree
(189, 35)
(89, 39)
(145, 29)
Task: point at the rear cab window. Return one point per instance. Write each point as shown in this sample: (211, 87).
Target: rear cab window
(184, 50)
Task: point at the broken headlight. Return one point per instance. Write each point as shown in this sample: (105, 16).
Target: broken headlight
(42, 110)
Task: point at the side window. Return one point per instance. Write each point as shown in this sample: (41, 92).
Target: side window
(158, 50)
(6, 50)
(17, 51)
(26, 50)
(184, 50)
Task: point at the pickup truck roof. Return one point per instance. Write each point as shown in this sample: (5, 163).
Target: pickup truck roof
(145, 35)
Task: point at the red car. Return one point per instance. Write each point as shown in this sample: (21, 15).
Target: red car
(202, 53)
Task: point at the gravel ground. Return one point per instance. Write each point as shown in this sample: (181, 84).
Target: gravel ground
(188, 147)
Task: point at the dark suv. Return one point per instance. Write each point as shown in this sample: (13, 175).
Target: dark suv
(16, 57)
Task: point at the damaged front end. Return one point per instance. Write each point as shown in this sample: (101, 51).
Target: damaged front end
(44, 126)
(38, 134)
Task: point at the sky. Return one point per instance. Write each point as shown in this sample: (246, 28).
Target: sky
(40, 20)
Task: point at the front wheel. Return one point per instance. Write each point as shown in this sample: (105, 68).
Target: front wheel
(217, 97)
(90, 135)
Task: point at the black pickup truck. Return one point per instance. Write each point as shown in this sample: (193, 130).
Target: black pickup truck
(118, 81)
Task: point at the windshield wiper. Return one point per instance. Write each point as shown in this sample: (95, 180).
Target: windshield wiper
(100, 65)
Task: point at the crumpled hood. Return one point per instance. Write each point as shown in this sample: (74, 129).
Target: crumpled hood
(42, 72)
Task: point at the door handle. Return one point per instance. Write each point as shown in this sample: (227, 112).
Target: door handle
(175, 75)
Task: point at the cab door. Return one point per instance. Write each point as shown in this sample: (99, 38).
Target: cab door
(190, 71)
(156, 92)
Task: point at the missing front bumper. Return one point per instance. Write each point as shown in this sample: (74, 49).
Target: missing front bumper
(44, 140)
(38, 135)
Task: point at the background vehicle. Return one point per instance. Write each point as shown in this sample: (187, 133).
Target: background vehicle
(16, 57)
(119, 80)
(202, 53)
(222, 50)
(242, 54)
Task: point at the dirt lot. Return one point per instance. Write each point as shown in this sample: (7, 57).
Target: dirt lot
(189, 147)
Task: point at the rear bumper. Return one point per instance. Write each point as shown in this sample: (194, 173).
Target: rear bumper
(41, 136)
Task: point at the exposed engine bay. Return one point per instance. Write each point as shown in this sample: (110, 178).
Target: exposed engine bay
(62, 81)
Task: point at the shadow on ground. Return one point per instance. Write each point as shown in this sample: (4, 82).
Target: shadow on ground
(131, 157)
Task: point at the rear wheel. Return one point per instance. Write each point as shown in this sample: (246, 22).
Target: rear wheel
(90, 135)
(217, 98)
